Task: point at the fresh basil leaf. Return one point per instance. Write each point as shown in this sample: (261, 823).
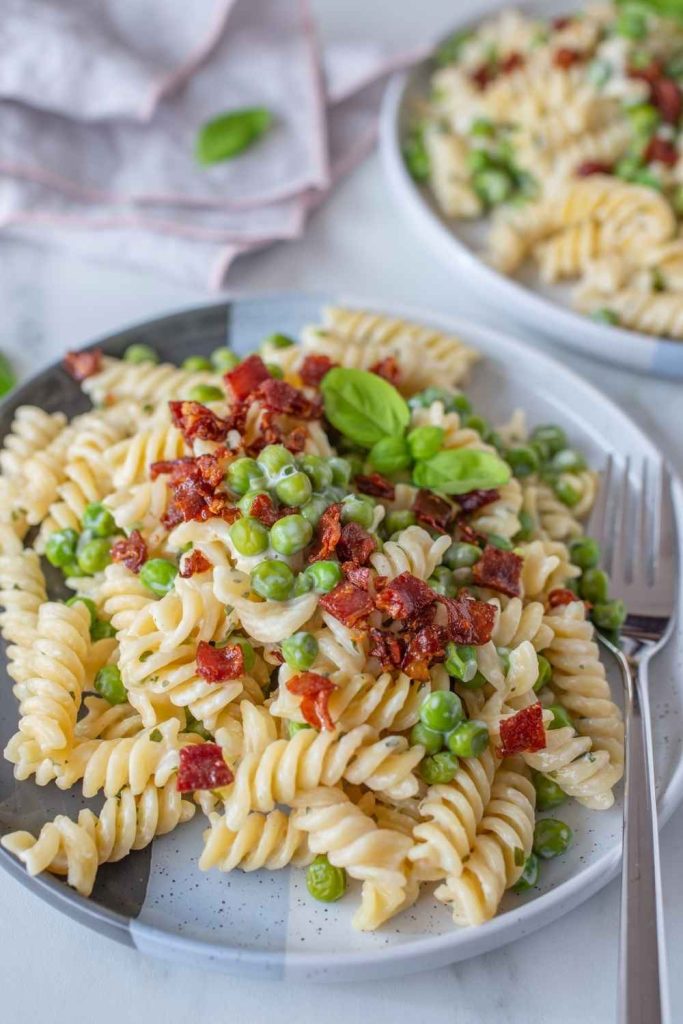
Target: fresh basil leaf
(228, 135)
(663, 8)
(459, 470)
(363, 406)
(7, 376)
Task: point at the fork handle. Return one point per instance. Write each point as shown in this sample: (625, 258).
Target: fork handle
(642, 961)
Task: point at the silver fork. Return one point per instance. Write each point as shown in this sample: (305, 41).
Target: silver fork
(634, 523)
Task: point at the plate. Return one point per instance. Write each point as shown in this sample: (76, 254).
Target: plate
(265, 924)
(459, 244)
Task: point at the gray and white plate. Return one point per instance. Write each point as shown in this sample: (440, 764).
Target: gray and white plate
(265, 923)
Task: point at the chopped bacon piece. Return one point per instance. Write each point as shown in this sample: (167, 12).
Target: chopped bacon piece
(193, 564)
(387, 647)
(314, 368)
(348, 603)
(474, 500)
(560, 596)
(425, 646)
(652, 73)
(359, 575)
(522, 732)
(315, 691)
(589, 167)
(468, 534)
(389, 369)
(498, 570)
(666, 96)
(483, 75)
(218, 664)
(469, 621)
(433, 511)
(564, 21)
(662, 150)
(511, 63)
(202, 767)
(375, 485)
(280, 397)
(566, 58)
(246, 377)
(130, 551)
(329, 533)
(355, 544)
(193, 483)
(406, 597)
(263, 509)
(81, 365)
(196, 421)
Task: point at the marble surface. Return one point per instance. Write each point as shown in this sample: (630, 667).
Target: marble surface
(358, 243)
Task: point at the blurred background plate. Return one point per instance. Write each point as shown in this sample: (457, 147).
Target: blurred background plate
(459, 244)
(265, 923)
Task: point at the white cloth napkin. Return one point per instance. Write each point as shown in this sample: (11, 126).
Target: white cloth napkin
(100, 102)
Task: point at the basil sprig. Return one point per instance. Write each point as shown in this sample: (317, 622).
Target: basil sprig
(460, 470)
(228, 135)
(363, 407)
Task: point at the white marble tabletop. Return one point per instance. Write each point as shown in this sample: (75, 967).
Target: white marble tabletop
(53, 970)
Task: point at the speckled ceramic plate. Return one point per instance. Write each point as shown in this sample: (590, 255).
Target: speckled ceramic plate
(459, 244)
(264, 923)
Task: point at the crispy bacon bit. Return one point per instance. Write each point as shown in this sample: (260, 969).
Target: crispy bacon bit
(651, 73)
(81, 365)
(389, 369)
(482, 76)
(315, 691)
(433, 511)
(194, 563)
(355, 544)
(666, 96)
(498, 570)
(406, 597)
(560, 596)
(193, 483)
(348, 603)
(314, 368)
(387, 647)
(511, 63)
(329, 533)
(589, 167)
(359, 575)
(218, 664)
(197, 422)
(469, 621)
(280, 397)
(522, 732)
(202, 767)
(375, 485)
(468, 534)
(246, 377)
(130, 551)
(564, 21)
(263, 509)
(566, 58)
(662, 150)
(474, 500)
(425, 646)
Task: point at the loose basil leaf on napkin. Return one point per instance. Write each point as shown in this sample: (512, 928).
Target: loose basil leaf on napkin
(7, 376)
(460, 470)
(362, 406)
(228, 135)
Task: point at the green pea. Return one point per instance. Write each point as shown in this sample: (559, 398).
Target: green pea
(605, 316)
(438, 769)
(224, 359)
(441, 710)
(644, 118)
(140, 354)
(584, 552)
(244, 475)
(358, 509)
(246, 502)
(313, 509)
(248, 654)
(567, 461)
(278, 341)
(527, 527)
(89, 604)
(459, 403)
(529, 876)
(523, 460)
(93, 555)
(478, 423)
(275, 371)
(415, 155)
(98, 520)
(101, 630)
(482, 128)
(109, 684)
(461, 661)
(424, 442)
(451, 402)
(479, 160)
(195, 364)
(461, 555)
(677, 200)
(303, 584)
(499, 542)
(390, 455)
(548, 793)
(609, 615)
(493, 185)
(469, 739)
(475, 683)
(631, 23)
(566, 492)
(72, 569)
(294, 727)
(300, 651)
(324, 574)
(291, 534)
(318, 470)
(273, 460)
(294, 490)
(552, 437)
(60, 549)
(158, 575)
(341, 471)
(205, 393)
(561, 717)
(194, 725)
(272, 579)
(551, 838)
(249, 536)
(442, 581)
(399, 519)
(430, 739)
(594, 586)
(325, 882)
(545, 672)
